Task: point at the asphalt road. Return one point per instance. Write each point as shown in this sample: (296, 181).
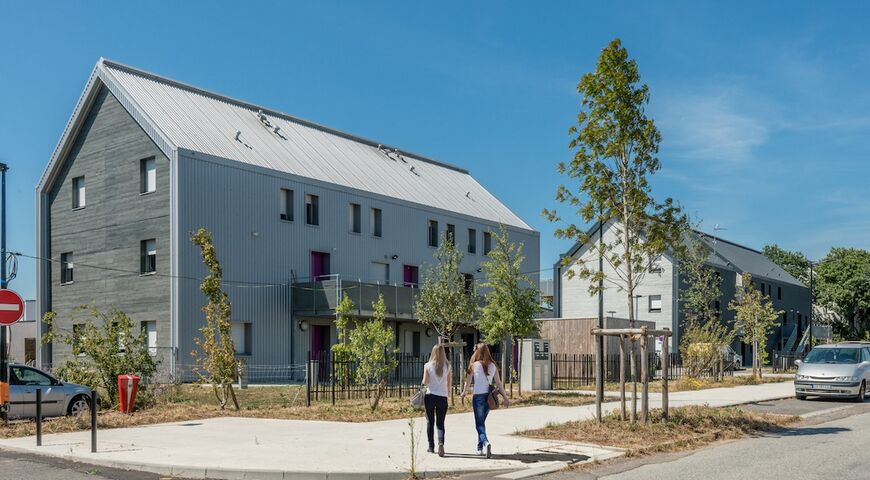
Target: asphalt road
(14, 466)
(832, 449)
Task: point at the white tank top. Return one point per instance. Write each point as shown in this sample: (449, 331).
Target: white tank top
(437, 385)
(481, 379)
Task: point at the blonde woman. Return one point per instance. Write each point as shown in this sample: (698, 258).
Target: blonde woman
(438, 379)
(482, 370)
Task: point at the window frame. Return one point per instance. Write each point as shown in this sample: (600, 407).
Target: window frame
(487, 242)
(312, 210)
(450, 233)
(144, 257)
(144, 177)
(67, 268)
(377, 222)
(286, 204)
(79, 192)
(355, 218)
(247, 339)
(432, 233)
(472, 241)
(143, 325)
(660, 303)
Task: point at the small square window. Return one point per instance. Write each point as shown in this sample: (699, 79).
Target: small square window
(78, 192)
(655, 303)
(66, 267)
(285, 200)
(147, 175)
(148, 249)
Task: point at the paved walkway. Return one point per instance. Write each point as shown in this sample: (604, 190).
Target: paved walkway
(230, 448)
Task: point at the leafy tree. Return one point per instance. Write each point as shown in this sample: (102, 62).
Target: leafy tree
(793, 262)
(755, 317)
(615, 146)
(342, 353)
(705, 335)
(370, 345)
(111, 346)
(446, 302)
(216, 357)
(842, 282)
(512, 299)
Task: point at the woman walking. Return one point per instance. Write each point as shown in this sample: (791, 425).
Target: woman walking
(438, 379)
(482, 370)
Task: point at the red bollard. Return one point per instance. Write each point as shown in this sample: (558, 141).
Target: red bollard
(128, 385)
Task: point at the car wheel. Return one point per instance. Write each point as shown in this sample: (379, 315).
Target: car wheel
(861, 393)
(79, 405)
(800, 397)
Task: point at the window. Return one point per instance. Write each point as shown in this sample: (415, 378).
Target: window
(29, 350)
(469, 282)
(718, 307)
(241, 333)
(78, 192)
(472, 240)
(865, 355)
(27, 376)
(148, 263)
(150, 330)
(286, 204)
(355, 220)
(377, 219)
(655, 303)
(433, 233)
(147, 175)
(656, 267)
(312, 214)
(762, 289)
(411, 275)
(779, 293)
(487, 243)
(451, 233)
(66, 267)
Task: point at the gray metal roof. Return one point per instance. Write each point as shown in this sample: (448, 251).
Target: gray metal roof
(187, 117)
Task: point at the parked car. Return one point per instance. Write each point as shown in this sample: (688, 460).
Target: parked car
(58, 398)
(732, 358)
(838, 370)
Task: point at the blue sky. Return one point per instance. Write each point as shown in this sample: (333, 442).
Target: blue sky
(763, 107)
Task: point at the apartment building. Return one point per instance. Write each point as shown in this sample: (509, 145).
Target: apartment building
(301, 214)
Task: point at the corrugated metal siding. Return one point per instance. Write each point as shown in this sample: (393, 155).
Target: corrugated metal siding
(208, 124)
(235, 202)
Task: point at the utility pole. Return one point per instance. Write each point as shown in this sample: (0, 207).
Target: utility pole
(812, 309)
(3, 281)
(599, 339)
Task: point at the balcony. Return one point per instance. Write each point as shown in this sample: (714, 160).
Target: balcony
(320, 298)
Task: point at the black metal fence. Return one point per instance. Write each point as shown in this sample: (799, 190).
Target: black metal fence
(784, 361)
(577, 371)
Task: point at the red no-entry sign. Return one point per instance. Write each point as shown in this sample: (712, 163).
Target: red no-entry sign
(11, 307)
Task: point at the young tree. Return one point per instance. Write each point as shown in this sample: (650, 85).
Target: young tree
(341, 351)
(512, 299)
(755, 316)
(447, 301)
(110, 345)
(842, 282)
(370, 345)
(793, 262)
(705, 336)
(216, 357)
(615, 146)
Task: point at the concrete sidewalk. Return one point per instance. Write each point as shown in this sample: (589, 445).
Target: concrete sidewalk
(234, 448)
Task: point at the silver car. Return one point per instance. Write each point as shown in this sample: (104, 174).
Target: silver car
(839, 370)
(58, 398)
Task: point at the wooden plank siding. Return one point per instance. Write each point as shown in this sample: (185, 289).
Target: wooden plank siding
(573, 335)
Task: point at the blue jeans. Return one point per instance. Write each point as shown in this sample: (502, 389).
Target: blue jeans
(481, 410)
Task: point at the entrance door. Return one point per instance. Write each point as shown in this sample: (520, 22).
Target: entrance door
(319, 265)
(411, 275)
(379, 272)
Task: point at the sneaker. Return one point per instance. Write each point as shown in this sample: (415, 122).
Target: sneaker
(430, 450)
(488, 448)
(441, 450)
(480, 451)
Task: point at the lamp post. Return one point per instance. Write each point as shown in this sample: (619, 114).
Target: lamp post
(812, 308)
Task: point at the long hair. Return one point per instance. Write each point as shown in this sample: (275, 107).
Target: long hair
(481, 354)
(439, 358)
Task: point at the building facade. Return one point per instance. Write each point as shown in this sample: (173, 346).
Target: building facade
(657, 296)
(300, 214)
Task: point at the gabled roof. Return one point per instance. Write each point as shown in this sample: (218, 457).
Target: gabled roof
(724, 254)
(182, 117)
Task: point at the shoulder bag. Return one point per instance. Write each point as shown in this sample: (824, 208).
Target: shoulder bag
(418, 400)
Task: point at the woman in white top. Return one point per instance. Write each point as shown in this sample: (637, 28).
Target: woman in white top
(482, 370)
(438, 379)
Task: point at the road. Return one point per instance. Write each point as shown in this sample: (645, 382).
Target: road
(15, 466)
(835, 448)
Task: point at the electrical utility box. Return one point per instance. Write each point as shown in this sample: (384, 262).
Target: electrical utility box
(535, 371)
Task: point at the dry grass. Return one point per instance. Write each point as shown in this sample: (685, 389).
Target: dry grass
(687, 428)
(192, 402)
(686, 384)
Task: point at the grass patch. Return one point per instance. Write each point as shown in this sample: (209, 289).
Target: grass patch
(178, 403)
(687, 428)
(688, 384)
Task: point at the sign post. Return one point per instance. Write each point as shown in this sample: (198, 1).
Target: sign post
(11, 310)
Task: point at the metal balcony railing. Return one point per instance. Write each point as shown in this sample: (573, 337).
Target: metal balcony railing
(321, 297)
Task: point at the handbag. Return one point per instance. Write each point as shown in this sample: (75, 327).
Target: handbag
(418, 400)
(492, 396)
